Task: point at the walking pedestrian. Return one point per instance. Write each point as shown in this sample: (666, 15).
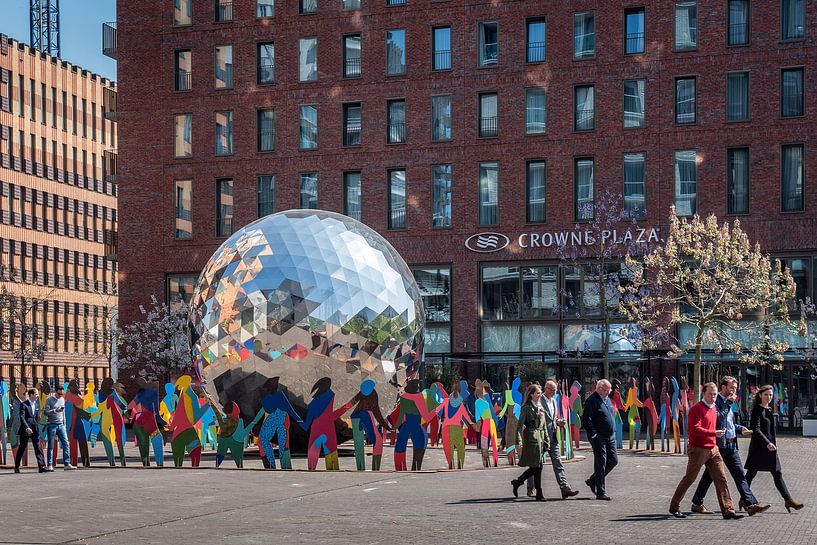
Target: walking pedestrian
(55, 428)
(728, 420)
(702, 451)
(548, 402)
(601, 432)
(534, 440)
(763, 447)
(29, 412)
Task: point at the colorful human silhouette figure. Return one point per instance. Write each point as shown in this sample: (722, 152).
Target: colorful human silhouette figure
(147, 424)
(320, 423)
(576, 412)
(89, 403)
(650, 413)
(232, 433)
(432, 400)
(565, 412)
(675, 413)
(4, 416)
(366, 416)
(168, 404)
(111, 422)
(618, 406)
(512, 408)
(207, 425)
(454, 415)
(18, 394)
(412, 413)
(277, 407)
(80, 425)
(683, 409)
(184, 436)
(485, 423)
(633, 418)
(664, 419)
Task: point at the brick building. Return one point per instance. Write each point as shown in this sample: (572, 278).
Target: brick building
(436, 121)
(58, 211)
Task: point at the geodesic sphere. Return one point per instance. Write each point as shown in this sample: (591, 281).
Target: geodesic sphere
(302, 295)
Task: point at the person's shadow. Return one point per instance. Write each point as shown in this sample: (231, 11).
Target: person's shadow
(479, 501)
(647, 517)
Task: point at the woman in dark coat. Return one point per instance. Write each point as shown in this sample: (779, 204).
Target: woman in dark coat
(532, 435)
(763, 446)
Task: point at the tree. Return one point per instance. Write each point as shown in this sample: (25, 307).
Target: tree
(598, 269)
(157, 346)
(709, 278)
(18, 317)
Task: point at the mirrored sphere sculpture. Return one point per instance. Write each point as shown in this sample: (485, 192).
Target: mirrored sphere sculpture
(302, 295)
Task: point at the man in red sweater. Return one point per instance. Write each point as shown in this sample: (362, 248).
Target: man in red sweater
(704, 452)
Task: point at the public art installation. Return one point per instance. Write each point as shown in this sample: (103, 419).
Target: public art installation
(232, 434)
(650, 413)
(512, 408)
(313, 298)
(183, 421)
(147, 423)
(80, 425)
(618, 408)
(412, 413)
(485, 419)
(454, 414)
(366, 417)
(631, 406)
(279, 412)
(111, 422)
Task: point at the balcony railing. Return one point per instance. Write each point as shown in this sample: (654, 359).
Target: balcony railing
(397, 133)
(395, 2)
(585, 120)
(266, 73)
(308, 6)
(351, 4)
(109, 40)
(351, 136)
(442, 59)
(351, 68)
(109, 103)
(536, 51)
(489, 127)
(738, 34)
(224, 11)
(635, 42)
(490, 54)
(184, 80)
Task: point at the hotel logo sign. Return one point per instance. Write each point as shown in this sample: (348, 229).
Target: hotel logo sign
(494, 242)
(487, 242)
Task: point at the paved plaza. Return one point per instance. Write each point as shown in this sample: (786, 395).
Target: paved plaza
(202, 506)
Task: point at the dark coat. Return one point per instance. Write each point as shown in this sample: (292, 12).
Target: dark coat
(533, 435)
(760, 458)
(723, 408)
(28, 419)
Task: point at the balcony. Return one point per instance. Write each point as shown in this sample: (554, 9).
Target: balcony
(183, 80)
(109, 104)
(489, 127)
(109, 40)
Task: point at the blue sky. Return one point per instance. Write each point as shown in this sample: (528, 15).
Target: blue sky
(80, 30)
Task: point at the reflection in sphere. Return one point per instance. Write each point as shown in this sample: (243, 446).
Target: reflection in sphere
(302, 295)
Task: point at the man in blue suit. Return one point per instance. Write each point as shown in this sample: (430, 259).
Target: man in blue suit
(29, 413)
(728, 447)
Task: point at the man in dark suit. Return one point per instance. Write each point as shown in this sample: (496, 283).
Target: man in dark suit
(29, 413)
(601, 432)
(553, 422)
(728, 447)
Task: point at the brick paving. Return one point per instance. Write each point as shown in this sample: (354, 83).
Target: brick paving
(136, 506)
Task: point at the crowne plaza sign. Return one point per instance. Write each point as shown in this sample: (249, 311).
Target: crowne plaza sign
(493, 242)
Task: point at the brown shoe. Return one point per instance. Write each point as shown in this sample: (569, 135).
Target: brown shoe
(531, 493)
(568, 493)
(791, 504)
(701, 510)
(756, 508)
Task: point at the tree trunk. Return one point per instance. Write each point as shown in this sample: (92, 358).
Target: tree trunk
(605, 338)
(696, 367)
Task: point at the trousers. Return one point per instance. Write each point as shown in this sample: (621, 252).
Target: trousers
(53, 432)
(697, 458)
(731, 459)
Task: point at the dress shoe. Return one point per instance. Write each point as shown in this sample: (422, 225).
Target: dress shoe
(731, 515)
(592, 484)
(791, 504)
(17, 470)
(569, 493)
(755, 508)
(701, 509)
(540, 498)
(516, 484)
(531, 493)
(604, 497)
(675, 512)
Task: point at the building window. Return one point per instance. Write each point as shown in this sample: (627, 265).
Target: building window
(264, 8)
(536, 195)
(266, 129)
(224, 133)
(183, 136)
(350, 4)
(635, 201)
(584, 101)
(395, 52)
(686, 182)
(397, 199)
(792, 178)
(792, 19)
(791, 91)
(686, 25)
(308, 59)
(396, 112)
(266, 195)
(488, 43)
(182, 14)
(737, 96)
(307, 6)
(265, 59)
(634, 38)
(488, 193)
(488, 115)
(441, 118)
(351, 124)
(309, 190)
(180, 288)
(434, 284)
(309, 127)
(224, 208)
(441, 181)
(584, 35)
(685, 100)
(441, 45)
(738, 22)
(536, 40)
(583, 174)
(634, 105)
(224, 11)
(184, 209)
(737, 181)
(535, 112)
(224, 66)
(352, 195)
(351, 56)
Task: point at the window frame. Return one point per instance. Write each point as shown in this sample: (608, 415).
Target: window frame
(480, 95)
(543, 92)
(576, 87)
(782, 22)
(479, 193)
(231, 83)
(258, 194)
(345, 59)
(483, 63)
(802, 145)
(344, 177)
(317, 126)
(450, 217)
(451, 118)
(748, 117)
(434, 49)
(389, 225)
(258, 47)
(675, 47)
(677, 79)
(576, 160)
(219, 219)
(405, 52)
(802, 71)
(259, 136)
(345, 107)
(624, 105)
(729, 150)
(636, 9)
(389, 103)
(643, 153)
(573, 35)
(528, 220)
(748, 25)
(528, 22)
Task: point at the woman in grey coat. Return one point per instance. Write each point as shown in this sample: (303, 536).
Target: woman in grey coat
(532, 435)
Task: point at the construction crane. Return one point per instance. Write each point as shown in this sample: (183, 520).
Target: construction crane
(45, 26)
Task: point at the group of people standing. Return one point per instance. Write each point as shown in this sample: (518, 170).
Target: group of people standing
(29, 430)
